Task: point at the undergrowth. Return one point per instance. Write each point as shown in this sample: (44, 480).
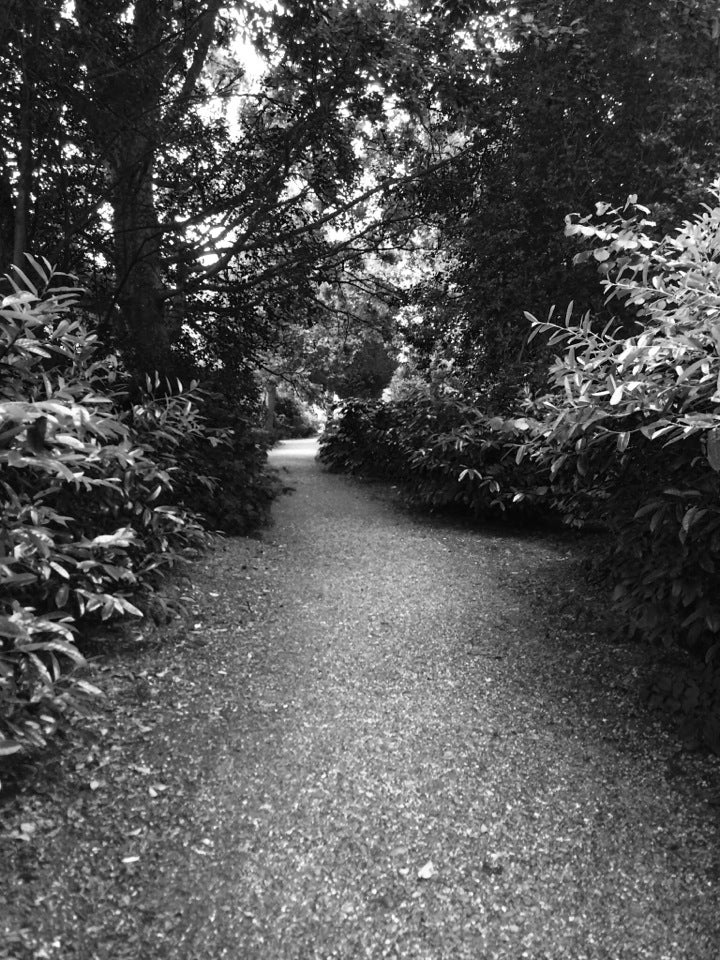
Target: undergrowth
(102, 492)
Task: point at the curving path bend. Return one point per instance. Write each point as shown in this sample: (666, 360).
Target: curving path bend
(416, 770)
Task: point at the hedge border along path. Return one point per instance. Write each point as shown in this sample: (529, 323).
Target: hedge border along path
(375, 737)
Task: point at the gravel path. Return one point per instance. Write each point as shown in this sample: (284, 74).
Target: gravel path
(398, 751)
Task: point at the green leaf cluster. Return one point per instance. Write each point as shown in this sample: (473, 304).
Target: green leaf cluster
(445, 452)
(90, 517)
(631, 429)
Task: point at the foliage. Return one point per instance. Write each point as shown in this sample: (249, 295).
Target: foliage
(444, 451)
(358, 366)
(691, 692)
(357, 439)
(294, 418)
(586, 98)
(631, 433)
(89, 515)
(220, 470)
(205, 206)
(208, 208)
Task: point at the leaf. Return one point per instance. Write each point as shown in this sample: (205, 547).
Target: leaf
(9, 746)
(89, 688)
(31, 286)
(54, 643)
(128, 607)
(121, 538)
(712, 446)
(427, 871)
(44, 275)
(62, 595)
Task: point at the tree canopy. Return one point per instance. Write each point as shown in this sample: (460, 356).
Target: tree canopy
(321, 192)
(209, 208)
(588, 101)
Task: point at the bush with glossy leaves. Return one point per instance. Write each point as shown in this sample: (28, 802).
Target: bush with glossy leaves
(89, 515)
(631, 431)
(446, 453)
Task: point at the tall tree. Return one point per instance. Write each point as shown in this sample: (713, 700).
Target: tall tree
(34, 67)
(589, 100)
(208, 208)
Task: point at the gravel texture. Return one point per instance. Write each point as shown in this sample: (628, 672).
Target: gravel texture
(387, 738)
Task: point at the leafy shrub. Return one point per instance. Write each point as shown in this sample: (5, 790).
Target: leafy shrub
(445, 452)
(222, 472)
(358, 439)
(632, 430)
(89, 517)
(294, 419)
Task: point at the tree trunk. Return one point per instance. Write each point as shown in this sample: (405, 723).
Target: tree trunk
(144, 333)
(7, 220)
(25, 170)
(270, 404)
(145, 75)
(28, 39)
(125, 116)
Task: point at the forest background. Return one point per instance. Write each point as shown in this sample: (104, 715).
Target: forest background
(209, 208)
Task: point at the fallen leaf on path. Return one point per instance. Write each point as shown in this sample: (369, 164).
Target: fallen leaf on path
(427, 871)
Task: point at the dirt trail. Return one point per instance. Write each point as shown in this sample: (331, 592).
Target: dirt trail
(395, 752)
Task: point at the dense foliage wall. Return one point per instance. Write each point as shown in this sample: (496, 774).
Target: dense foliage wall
(591, 100)
(104, 490)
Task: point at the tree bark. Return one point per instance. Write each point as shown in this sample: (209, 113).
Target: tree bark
(7, 220)
(135, 105)
(144, 333)
(28, 38)
(270, 403)
(25, 169)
